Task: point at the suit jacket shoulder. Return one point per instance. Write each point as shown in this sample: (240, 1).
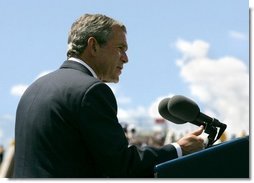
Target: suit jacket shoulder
(67, 126)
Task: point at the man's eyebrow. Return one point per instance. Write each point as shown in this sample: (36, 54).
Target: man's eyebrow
(125, 46)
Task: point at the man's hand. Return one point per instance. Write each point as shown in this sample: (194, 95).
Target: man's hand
(192, 142)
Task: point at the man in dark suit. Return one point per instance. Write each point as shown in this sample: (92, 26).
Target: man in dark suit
(66, 121)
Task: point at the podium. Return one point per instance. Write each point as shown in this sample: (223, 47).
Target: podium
(225, 160)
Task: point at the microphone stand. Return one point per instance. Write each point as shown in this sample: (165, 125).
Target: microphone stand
(211, 129)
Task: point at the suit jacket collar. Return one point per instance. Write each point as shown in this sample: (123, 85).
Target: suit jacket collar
(75, 65)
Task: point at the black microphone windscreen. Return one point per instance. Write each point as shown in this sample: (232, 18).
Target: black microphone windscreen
(183, 108)
(163, 110)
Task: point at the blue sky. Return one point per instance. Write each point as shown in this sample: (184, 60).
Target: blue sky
(196, 48)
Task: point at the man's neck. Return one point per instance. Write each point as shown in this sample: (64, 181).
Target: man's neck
(84, 64)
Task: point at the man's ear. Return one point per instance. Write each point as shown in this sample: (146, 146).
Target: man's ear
(92, 45)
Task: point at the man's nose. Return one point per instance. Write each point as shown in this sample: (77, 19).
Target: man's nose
(124, 57)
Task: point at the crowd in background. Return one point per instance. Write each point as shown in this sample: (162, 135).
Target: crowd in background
(1, 153)
(162, 136)
(155, 138)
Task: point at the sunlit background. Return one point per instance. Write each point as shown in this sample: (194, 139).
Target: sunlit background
(195, 48)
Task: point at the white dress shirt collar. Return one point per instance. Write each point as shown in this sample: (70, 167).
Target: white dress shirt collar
(84, 64)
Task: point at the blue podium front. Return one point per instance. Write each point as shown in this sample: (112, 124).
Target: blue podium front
(225, 160)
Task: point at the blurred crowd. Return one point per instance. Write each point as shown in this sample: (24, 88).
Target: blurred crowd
(7, 160)
(1, 153)
(162, 135)
(156, 138)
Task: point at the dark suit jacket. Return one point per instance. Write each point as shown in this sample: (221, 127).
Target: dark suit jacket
(67, 126)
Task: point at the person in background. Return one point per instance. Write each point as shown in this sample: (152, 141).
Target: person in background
(1, 154)
(66, 121)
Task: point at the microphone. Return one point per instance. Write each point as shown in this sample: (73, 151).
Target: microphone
(180, 109)
(163, 110)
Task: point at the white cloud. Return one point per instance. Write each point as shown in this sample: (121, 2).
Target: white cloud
(122, 99)
(221, 84)
(137, 116)
(196, 49)
(237, 35)
(131, 115)
(1, 134)
(42, 74)
(153, 108)
(143, 118)
(6, 128)
(19, 89)
(7, 117)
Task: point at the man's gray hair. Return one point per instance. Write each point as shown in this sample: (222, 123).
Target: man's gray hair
(90, 25)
